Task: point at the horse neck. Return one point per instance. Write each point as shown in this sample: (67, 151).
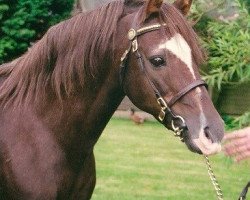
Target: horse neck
(107, 91)
(105, 97)
(86, 113)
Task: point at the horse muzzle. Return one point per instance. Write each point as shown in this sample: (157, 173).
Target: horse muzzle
(203, 144)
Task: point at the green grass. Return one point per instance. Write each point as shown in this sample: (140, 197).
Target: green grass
(148, 162)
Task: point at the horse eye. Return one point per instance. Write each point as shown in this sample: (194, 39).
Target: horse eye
(157, 61)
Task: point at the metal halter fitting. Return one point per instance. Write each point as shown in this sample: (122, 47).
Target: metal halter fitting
(133, 34)
(166, 115)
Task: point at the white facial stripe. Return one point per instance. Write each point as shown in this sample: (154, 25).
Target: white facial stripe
(202, 142)
(180, 48)
(203, 120)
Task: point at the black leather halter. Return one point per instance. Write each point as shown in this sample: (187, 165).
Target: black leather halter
(166, 115)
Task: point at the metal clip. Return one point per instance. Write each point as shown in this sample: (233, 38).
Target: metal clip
(162, 103)
(162, 115)
(177, 133)
(124, 55)
(134, 45)
(177, 129)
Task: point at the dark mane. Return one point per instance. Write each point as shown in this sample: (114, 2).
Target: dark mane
(68, 53)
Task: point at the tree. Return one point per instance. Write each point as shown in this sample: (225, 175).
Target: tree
(25, 21)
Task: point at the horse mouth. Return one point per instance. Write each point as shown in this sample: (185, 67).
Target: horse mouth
(201, 145)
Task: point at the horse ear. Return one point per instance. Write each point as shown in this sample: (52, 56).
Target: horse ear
(151, 7)
(183, 5)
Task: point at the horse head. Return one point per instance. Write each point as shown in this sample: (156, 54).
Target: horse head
(160, 72)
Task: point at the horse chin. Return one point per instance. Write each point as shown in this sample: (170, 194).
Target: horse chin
(189, 143)
(200, 145)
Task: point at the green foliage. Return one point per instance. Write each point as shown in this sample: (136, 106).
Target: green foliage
(201, 7)
(227, 45)
(229, 53)
(243, 120)
(25, 21)
(247, 2)
(226, 38)
(235, 123)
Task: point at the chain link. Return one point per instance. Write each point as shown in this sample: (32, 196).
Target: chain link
(210, 171)
(213, 179)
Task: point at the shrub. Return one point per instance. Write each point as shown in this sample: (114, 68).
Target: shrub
(229, 53)
(227, 43)
(25, 21)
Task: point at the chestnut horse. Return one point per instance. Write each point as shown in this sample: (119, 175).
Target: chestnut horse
(56, 99)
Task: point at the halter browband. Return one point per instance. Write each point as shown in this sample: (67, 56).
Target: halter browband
(135, 33)
(166, 115)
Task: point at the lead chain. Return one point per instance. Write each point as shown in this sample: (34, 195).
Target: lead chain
(213, 179)
(219, 194)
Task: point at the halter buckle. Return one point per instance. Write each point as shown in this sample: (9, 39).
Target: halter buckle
(162, 103)
(162, 115)
(164, 106)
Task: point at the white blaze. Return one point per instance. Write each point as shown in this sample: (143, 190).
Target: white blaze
(180, 48)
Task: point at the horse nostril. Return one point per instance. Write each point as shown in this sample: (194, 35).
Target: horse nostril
(207, 133)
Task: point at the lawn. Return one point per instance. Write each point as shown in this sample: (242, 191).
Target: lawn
(148, 162)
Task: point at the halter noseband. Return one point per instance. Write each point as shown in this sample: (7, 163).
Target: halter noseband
(166, 115)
